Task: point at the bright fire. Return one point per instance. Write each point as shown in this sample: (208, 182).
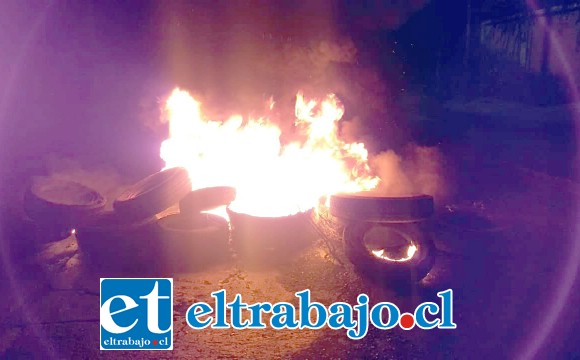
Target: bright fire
(271, 179)
(382, 254)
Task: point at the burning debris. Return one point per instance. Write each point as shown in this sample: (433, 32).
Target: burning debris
(263, 242)
(237, 182)
(206, 199)
(386, 237)
(271, 179)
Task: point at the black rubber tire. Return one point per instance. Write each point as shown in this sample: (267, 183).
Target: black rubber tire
(270, 241)
(206, 199)
(191, 243)
(360, 207)
(153, 194)
(390, 272)
(110, 241)
(61, 203)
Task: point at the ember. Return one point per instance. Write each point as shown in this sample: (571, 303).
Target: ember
(382, 253)
(387, 243)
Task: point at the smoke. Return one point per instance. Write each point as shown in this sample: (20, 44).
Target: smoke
(419, 170)
(233, 56)
(237, 69)
(394, 181)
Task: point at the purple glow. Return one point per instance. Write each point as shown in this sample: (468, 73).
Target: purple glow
(13, 73)
(570, 271)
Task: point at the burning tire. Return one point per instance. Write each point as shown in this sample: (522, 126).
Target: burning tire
(112, 241)
(61, 203)
(193, 242)
(206, 199)
(359, 207)
(412, 246)
(153, 194)
(267, 241)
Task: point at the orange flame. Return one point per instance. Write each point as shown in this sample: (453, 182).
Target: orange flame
(270, 179)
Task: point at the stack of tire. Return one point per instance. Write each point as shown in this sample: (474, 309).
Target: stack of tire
(193, 239)
(401, 221)
(127, 238)
(131, 237)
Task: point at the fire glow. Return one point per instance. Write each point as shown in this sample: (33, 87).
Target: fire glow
(382, 254)
(271, 179)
